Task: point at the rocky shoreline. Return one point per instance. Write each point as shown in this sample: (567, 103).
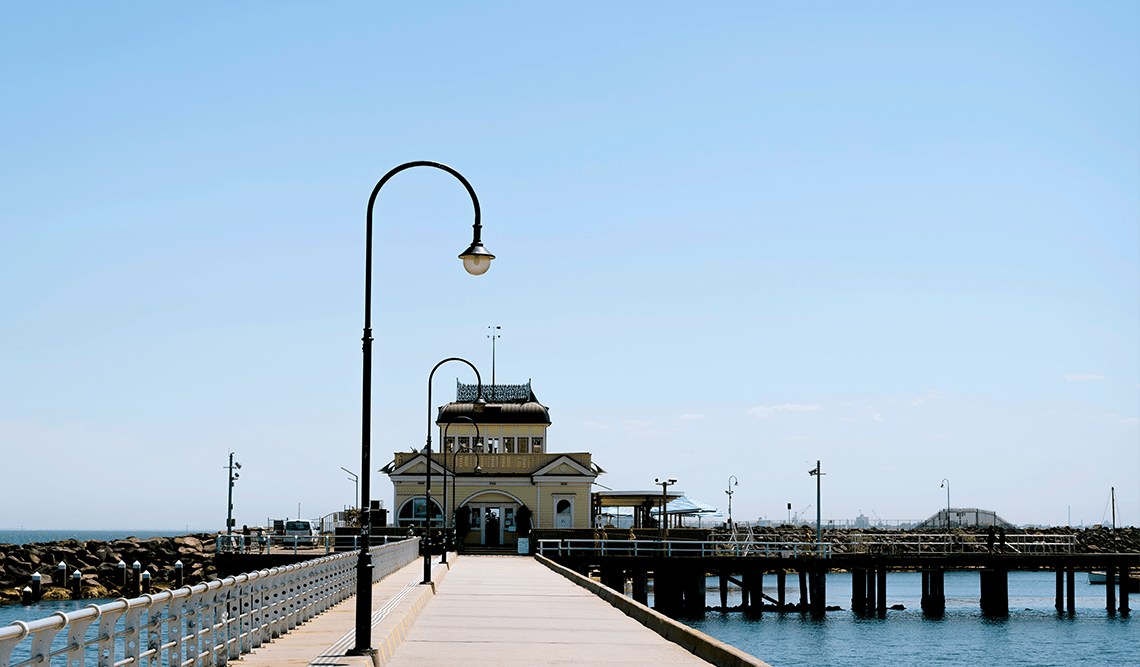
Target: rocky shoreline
(98, 565)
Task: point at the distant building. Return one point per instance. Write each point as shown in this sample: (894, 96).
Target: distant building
(496, 472)
(964, 517)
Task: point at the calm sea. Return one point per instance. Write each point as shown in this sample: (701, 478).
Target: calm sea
(32, 536)
(1033, 634)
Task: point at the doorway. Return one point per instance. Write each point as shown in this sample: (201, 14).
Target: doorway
(492, 526)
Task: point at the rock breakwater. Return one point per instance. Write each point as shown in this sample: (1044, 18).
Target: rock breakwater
(98, 565)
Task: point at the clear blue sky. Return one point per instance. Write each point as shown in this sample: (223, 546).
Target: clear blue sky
(732, 239)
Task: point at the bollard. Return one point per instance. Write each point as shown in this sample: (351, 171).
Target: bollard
(37, 584)
(146, 583)
(178, 574)
(76, 583)
(136, 581)
(61, 575)
(26, 595)
(122, 575)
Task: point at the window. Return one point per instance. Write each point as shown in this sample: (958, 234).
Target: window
(523, 444)
(464, 443)
(508, 445)
(537, 443)
(413, 513)
(449, 444)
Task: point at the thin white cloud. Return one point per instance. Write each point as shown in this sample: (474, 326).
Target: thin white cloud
(930, 396)
(636, 425)
(595, 426)
(761, 412)
(690, 417)
(1083, 376)
(871, 411)
(1133, 420)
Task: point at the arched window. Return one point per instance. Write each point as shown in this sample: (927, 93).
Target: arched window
(412, 513)
(563, 506)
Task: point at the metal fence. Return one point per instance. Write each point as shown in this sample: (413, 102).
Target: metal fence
(207, 624)
(296, 544)
(952, 543)
(680, 548)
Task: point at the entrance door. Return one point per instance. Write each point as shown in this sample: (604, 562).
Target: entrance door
(492, 526)
(564, 514)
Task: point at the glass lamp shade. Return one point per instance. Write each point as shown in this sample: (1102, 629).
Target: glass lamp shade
(476, 259)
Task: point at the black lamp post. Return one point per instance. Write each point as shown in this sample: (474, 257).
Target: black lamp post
(476, 260)
(946, 483)
(479, 405)
(664, 501)
(732, 481)
(454, 455)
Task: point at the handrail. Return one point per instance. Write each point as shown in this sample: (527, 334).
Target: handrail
(680, 548)
(295, 544)
(205, 624)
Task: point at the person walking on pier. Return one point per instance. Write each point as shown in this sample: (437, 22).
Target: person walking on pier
(991, 536)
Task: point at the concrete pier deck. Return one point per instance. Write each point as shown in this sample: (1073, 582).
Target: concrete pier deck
(485, 611)
(503, 611)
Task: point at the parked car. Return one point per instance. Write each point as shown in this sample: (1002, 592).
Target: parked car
(300, 533)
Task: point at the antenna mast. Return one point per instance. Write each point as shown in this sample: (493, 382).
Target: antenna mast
(494, 335)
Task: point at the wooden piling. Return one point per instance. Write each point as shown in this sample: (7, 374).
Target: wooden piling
(869, 600)
(781, 581)
(641, 586)
(995, 591)
(1071, 590)
(858, 590)
(803, 590)
(1125, 574)
(1060, 601)
(723, 590)
(882, 590)
(753, 580)
(1110, 588)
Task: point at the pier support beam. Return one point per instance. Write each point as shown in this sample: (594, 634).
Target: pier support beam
(754, 588)
(693, 593)
(1071, 589)
(723, 591)
(995, 591)
(803, 590)
(781, 580)
(1125, 574)
(882, 590)
(858, 591)
(869, 606)
(614, 577)
(933, 591)
(817, 583)
(641, 586)
(1060, 601)
(1110, 588)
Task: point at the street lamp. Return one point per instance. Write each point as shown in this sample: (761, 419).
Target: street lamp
(479, 405)
(732, 481)
(449, 518)
(230, 501)
(355, 478)
(818, 531)
(946, 483)
(664, 500)
(476, 260)
(454, 455)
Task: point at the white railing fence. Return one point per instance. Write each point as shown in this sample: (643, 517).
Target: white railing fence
(195, 626)
(679, 548)
(295, 544)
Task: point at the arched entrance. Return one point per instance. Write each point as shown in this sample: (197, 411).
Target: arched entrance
(493, 518)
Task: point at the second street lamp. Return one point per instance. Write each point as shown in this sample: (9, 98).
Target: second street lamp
(478, 405)
(476, 260)
(450, 517)
(732, 481)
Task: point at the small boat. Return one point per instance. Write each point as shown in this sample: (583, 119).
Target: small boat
(1098, 577)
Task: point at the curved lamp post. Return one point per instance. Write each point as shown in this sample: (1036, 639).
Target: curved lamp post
(664, 501)
(946, 483)
(479, 405)
(454, 455)
(732, 481)
(476, 260)
(818, 473)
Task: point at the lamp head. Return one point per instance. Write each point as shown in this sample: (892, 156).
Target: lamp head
(476, 259)
(479, 405)
(478, 469)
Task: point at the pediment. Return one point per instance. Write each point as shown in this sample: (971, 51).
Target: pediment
(415, 466)
(562, 466)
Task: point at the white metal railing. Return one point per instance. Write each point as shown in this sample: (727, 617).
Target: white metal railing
(295, 544)
(952, 543)
(207, 624)
(680, 548)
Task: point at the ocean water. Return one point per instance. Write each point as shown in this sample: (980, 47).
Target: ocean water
(33, 536)
(1033, 634)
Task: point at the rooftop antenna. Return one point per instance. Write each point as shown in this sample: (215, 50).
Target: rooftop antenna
(494, 335)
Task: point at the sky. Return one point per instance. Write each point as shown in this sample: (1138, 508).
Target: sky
(732, 239)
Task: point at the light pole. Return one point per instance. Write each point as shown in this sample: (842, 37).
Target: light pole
(946, 483)
(479, 405)
(230, 501)
(664, 500)
(732, 481)
(476, 260)
(356, 479)
(454, 455)
(818, 531)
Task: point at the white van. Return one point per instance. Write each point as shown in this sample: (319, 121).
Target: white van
(301, 532)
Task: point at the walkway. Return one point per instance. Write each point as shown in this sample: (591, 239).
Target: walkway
(499, 611)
